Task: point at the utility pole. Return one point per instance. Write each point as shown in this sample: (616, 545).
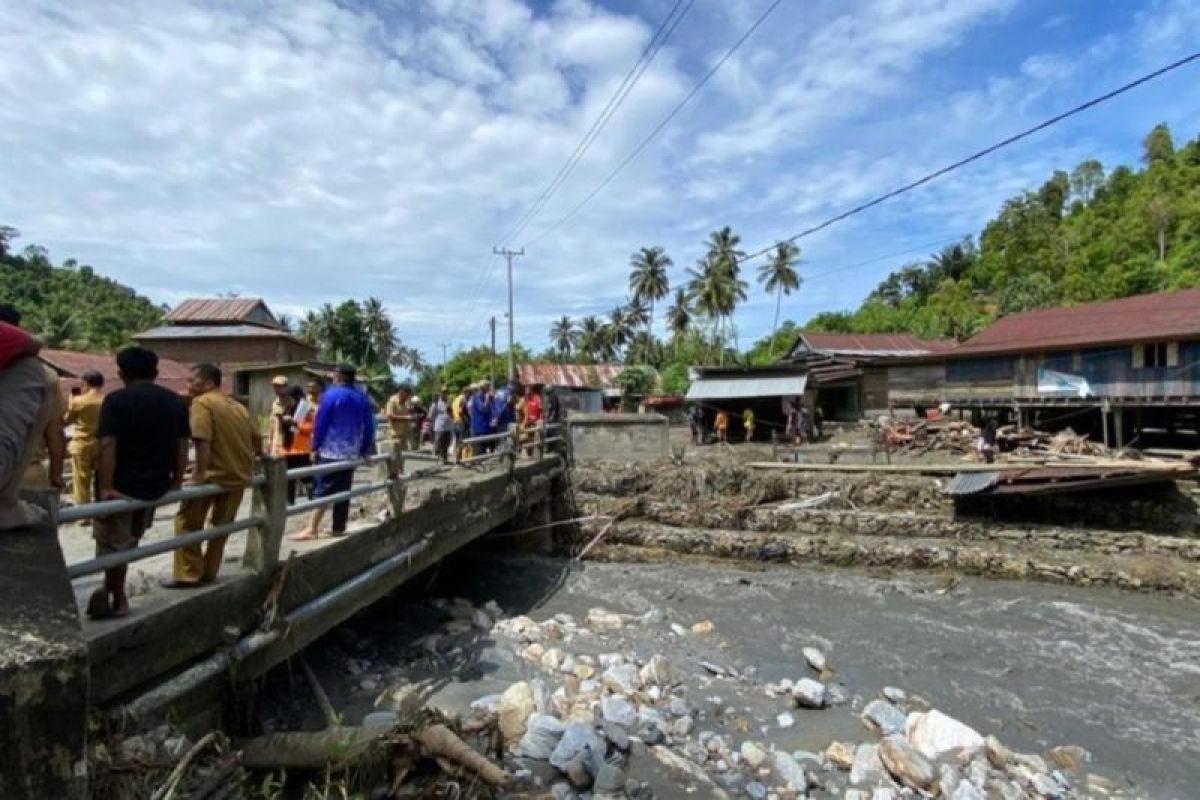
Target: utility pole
(492, 370)
(508, 255)
(442, 369)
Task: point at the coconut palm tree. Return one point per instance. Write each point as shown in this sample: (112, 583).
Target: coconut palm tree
(590, 335)
(715, 291)
(378, 327)
(648, 278)
(618, 328)
(562, 335)
(679, 318)
(779, 276)
(637, 313)
(723, 250)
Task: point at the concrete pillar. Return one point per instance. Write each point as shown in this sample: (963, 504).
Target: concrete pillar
(43, 671)
(269, 501)
(1119, 426)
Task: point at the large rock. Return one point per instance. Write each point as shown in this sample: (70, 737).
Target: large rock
(1069, 757)
(809, 693)
(578, 738)
(753, 755)
(841, 755)
(542, 734)
(610, 781)
(671, 761)
(516, 704)
(619, 710)
(789, 771)
(905, 764)
(883, 717)
(815, 658)
(936, 735)
(622, 679)
(867, 769)
(657, 672)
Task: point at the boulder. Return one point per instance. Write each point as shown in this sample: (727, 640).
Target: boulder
(610, 780)
(809, 693)
(905, 764)
(997, 754)
(516, 704)
(883, 717)
(619, 710)
(579, 739)
(657, 672)
(789, 771)
(841, 755)
(542, 733)
(622, 679)
(1069, 757)
(753, 755)
(616, 735)
(935, 735)
(867, 769)
(577, 771)
(815, 658)
(677, 763)
(967, 791)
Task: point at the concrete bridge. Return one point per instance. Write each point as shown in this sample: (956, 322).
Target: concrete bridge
(182, 651)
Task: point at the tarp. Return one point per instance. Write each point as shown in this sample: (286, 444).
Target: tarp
(1061, 384)
(749, 386)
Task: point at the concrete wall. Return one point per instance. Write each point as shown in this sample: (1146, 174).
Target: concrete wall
(231, 350)
(619, 437)
(43, 672)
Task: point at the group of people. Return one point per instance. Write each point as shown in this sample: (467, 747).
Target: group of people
(800, 425)
(448, 422)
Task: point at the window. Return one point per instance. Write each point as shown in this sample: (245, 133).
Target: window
(1156, 354)
(241, 384)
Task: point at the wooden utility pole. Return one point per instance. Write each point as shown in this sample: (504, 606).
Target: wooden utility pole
(509, 255)
(492, 369)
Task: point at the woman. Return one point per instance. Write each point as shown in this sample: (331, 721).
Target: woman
(299, 452)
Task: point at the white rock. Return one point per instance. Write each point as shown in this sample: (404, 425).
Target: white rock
(935, 734)
(672, 761)
(481, 620)
(619, 710)
(605, 620)
(622, 678)
(789, 771)
(715, 745)
(815, 658)
(552, 659)
(678, 629)
(657, 672)
(905, 764)
(895, 695)
(809, 693)
(542, 733)
(682, 727)
(883, 717)
(752, 754)
(883, 793)
(577, 738)
(516, 704)
(867, 768)
(967, 791)
(785, 720)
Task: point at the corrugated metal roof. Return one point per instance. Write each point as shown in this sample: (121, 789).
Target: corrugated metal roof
(216, 309)
(214, 332)
(70, 365)
(577, 376)
(965, 483)
(1163, 315)
(730, 387)
(875, 344)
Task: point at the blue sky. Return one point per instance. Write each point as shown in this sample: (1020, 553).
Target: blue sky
(307, 151)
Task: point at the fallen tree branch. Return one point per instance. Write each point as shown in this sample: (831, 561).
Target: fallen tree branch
(167, 790)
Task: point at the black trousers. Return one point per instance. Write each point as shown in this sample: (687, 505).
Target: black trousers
(294, 462)
(332, 484)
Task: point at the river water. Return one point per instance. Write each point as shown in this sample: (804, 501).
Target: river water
(1037, 665)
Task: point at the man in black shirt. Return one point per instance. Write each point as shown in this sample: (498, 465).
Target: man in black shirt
(143, 436)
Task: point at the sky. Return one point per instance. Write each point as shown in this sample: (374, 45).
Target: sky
(309, 151)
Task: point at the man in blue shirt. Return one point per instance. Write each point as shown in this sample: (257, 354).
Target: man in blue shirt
(344, 430)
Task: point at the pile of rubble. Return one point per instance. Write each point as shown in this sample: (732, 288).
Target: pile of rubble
(588, 723)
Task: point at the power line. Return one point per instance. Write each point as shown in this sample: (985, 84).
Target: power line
(666, 120)
(639, 67)
(980, 154)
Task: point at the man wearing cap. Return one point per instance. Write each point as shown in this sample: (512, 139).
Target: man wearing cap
(280, 407)
(83, 414)
(344, 430)
(400, 417)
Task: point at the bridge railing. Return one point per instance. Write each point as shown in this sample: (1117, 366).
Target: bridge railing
(266, 521)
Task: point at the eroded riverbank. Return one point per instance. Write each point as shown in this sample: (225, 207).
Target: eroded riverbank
(1037, 665)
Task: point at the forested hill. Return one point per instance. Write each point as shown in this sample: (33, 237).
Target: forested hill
(70, 306)
(1084, 235)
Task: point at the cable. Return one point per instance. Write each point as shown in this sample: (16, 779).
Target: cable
(666, 120)
(980, 154)
(665, 29)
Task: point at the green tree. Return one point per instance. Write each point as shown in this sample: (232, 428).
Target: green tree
(562, 336)
(648, 278)
(1158, 146)
(591, 338)
(779, 276)
(679, 318)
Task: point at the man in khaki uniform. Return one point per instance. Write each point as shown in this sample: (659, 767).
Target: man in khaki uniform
(225, 443)
(83, 413)
(399, 413)
(279, 408)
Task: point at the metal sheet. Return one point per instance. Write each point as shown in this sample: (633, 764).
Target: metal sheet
(972, 482)
(729, 387)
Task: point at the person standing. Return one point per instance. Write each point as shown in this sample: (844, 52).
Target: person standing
(25, 408)
(460, 415)
(399, 413)
(226, 443)
(83, 414)
(721, 426)
(439, 413)
(553, 412)
(748, 423)
(696, 423)
(299, 454)
(143, 433)
(344, 431)
(280, 410)
(481, 416)
(45, 467)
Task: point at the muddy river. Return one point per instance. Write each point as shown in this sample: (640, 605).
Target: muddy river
(1037, 665)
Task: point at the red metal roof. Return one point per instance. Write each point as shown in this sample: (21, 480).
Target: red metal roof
(70, 365)
(1147, 317)
(875, 344)
(579, 376)
(217, 309)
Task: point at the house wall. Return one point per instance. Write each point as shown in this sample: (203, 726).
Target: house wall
(228, 350)
(259, 394)
(915, 385)
(874, 389)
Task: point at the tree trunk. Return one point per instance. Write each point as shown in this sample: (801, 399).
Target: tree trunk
(649, 334)
(775, 325)
(1162, 243)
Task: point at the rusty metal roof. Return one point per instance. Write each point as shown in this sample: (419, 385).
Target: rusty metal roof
(70, 365)
(874, 344)
(215, 331)
(576, 376)
(1146, 317)
(219, 309)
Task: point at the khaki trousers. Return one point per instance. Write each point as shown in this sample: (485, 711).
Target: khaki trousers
(83, 471)
(198, 563)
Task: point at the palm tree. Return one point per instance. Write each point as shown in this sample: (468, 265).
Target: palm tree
(562, 335)
(779, 276)
(590, 335)
(715, 291)
(618, 330)
(637, 313)
(381, 333)
(648, 278)
(679, 318)
(723, 250)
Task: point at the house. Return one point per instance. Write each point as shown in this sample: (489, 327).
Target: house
(580, 387)
(252, 383)
(1133, 362)
(227, 332)
(71, 365)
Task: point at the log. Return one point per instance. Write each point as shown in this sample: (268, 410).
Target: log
(313, 750)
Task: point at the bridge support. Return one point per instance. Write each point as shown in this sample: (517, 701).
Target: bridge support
(43, 671)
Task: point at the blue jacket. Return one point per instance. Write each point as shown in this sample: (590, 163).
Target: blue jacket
(344, 429)
(481, 415)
